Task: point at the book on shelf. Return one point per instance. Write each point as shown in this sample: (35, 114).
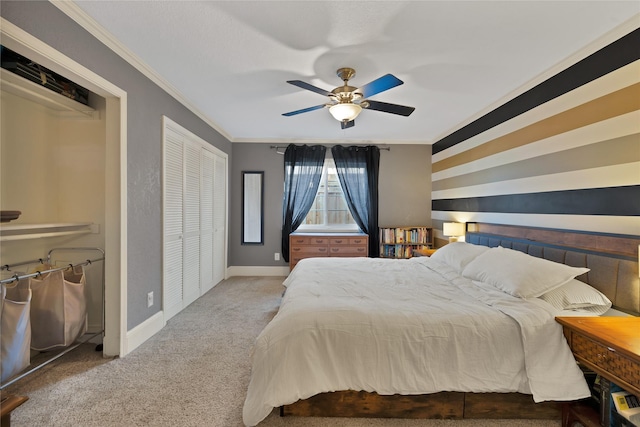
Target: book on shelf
(400, 242)
(410, 235)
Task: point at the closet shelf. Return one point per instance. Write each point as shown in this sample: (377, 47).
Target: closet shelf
(35, 231)
(27, 89)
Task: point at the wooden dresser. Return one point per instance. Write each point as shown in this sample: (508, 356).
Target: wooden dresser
(309, 245)
(609, 346)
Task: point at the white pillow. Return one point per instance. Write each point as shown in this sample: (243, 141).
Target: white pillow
(519, 274)
(577, 295)
(458, 254)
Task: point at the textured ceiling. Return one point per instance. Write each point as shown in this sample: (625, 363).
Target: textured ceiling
(231, 60)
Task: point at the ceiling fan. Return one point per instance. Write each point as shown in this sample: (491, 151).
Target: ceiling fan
(346, 102)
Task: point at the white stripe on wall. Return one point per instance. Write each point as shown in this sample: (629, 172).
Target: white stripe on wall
(605, 176)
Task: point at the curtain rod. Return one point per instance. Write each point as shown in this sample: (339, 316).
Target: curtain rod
(278, 147)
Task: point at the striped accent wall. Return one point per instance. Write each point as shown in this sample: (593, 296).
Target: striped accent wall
(565, 154)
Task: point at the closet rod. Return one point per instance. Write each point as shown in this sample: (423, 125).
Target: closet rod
(8, 267)
(51, 270)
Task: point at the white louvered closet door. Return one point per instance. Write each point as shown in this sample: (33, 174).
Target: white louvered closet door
(206, 221)
(173, 207)
(191, 274)
(219, 218)
(195, 217)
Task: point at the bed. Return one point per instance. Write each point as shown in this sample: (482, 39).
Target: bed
(424, 338)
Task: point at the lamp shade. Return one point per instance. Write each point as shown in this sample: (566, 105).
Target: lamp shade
(453, 229)
(345, 111)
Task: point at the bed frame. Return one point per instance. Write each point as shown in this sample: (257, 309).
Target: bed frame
(613, 260)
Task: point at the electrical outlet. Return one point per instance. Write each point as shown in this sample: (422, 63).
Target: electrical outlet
(149, 299)
(276, 256)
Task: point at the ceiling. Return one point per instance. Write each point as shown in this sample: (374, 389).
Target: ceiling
(229, 60)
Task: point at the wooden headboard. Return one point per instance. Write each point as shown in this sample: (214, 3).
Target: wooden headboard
(613, 259)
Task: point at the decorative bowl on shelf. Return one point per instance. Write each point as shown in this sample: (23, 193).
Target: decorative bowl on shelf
(6, 216)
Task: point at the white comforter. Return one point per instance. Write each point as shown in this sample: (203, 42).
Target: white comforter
(405, 327)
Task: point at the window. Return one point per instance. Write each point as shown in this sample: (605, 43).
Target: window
(329, 210)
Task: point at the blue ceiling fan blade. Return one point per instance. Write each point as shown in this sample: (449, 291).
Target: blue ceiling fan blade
(307, 86)
(381, 84)
(304, 110)
(385, 107)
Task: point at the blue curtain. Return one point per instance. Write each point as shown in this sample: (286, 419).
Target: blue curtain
(358, 169)
(302, 173)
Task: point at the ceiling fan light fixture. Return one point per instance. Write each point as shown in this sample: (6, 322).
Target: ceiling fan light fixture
(345, 112)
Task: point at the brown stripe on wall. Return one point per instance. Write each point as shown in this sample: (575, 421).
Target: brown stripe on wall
(617, 151)
(617, 103)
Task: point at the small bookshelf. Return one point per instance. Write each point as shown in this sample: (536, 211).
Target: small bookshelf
(400, 242)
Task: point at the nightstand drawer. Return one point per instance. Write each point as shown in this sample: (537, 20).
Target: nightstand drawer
(606, 359)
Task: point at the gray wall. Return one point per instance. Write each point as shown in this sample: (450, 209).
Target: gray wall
(404, 191)
(146, 105)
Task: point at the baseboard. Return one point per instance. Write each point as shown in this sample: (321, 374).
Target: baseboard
(257, 271)
(144, 331)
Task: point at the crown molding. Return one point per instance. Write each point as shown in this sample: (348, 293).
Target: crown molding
(73, 11)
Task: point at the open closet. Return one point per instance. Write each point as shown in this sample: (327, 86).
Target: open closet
(52, 171)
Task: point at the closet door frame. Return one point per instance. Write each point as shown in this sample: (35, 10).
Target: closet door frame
(115, 341)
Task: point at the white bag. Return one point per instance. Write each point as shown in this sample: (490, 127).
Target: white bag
(15, 329)
(58, 309)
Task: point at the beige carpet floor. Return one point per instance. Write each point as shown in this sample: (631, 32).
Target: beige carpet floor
(194, 372)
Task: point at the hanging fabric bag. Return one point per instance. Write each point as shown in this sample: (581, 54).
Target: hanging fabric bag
(15, 328)
(58, 308)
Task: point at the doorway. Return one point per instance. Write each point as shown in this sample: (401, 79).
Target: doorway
(115, 179)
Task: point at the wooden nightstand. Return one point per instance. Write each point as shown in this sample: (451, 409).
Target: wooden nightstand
(609, 346)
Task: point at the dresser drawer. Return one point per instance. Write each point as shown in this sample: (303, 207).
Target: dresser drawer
(348, 251)
(605, 358)
(308, 240)
(310, 251)
(347, 241)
